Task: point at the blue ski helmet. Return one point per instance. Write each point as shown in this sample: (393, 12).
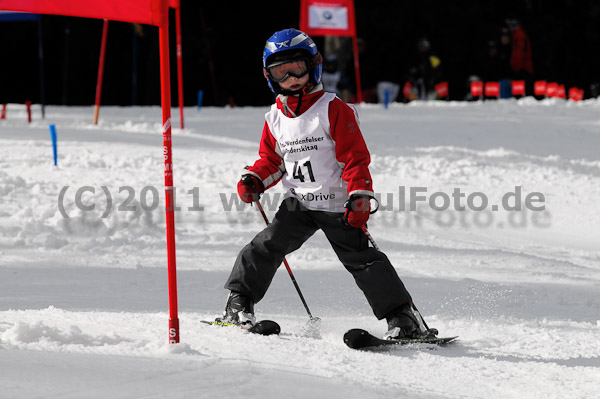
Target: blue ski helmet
(292, 43)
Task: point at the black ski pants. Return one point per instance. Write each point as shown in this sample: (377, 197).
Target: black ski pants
(292, 225)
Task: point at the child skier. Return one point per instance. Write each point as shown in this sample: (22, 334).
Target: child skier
(312, 143)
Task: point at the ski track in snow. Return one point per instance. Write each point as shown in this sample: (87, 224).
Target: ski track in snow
(83, 299)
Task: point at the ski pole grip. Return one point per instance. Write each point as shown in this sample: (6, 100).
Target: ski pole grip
(247, 180)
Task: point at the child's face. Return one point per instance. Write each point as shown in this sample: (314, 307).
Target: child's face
(292, 83)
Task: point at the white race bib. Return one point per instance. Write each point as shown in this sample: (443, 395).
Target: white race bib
(313, 174)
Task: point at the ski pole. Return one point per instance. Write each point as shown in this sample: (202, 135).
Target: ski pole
(370, 237)
(287, 266)
(364, 229)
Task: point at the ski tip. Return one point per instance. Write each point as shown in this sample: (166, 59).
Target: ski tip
(266, 327)
(354, 338)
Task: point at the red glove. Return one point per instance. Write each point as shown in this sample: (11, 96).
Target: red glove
(249, 188)
(358, 210)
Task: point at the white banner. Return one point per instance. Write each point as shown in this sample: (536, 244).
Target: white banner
(324, 17)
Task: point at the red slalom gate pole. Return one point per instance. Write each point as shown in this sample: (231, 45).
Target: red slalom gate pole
(3, 115)
(100, 70)
(179, 61)
(169, 189)
(28, 105)
(357, 71)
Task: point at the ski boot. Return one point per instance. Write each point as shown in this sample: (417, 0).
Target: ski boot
(407, 323)
(239, 310)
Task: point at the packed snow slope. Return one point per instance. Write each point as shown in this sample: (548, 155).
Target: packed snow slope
(489, 212)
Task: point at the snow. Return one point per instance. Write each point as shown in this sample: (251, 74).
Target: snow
(84, 298)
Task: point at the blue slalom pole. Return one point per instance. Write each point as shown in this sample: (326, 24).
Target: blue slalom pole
(200, 95)
(386, 98)
(53, 137)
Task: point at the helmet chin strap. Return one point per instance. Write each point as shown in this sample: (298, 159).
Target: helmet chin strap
(300, 91)
(299, 102)
(307, 89)
(286, 109)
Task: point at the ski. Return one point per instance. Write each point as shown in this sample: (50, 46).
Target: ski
(263, 327)
(362, 339)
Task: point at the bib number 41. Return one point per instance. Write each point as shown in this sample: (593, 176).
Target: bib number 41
(297, 173)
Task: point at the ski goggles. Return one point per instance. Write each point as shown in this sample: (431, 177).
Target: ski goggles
(280, 72)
